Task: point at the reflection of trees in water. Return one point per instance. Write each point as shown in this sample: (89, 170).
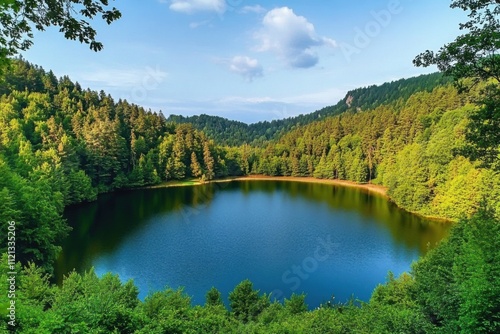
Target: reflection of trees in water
(101, 226)
(406, 228)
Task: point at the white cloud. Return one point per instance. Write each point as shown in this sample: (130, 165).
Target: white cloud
(245, 66)
(192, 6)
(292, 37)
(257, 9)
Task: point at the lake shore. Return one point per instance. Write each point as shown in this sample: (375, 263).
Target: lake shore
(372, 188)
(368, 187)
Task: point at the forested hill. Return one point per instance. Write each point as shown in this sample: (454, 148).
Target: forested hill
(60, 144)
(220, 129)
(234, 133)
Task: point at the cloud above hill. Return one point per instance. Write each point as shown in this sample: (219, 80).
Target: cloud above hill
(291, 37)
(245, 66)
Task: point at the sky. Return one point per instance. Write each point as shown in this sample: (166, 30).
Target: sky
(249, 60)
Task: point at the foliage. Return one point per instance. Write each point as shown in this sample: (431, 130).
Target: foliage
(213, 297)
(18, 18)
(413, 147)
(473, 57)
(483, 131)
(473, 54)
(245, 302)
(60, 144)
(458, 282)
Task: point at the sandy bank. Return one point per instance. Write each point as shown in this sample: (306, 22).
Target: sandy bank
(373, 188)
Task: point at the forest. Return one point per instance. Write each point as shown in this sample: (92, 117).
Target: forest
(61, 144)
(433, 141)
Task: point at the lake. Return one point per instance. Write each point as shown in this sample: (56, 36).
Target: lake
(285, 237)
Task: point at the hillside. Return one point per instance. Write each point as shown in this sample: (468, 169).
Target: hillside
(76, 143)
(430, 144)
(234, 133)
(61, 145)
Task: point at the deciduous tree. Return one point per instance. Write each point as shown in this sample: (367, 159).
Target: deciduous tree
(19, 18)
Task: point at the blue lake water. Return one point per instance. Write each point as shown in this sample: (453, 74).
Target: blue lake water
(285, 237)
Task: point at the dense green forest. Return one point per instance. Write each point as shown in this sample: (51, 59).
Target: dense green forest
(234, 133)
(433, 144)
(413, 147)
(61, 144)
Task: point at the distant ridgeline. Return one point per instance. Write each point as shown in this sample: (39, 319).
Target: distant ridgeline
(228, 132)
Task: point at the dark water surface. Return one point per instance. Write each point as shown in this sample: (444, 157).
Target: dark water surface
(285, 237)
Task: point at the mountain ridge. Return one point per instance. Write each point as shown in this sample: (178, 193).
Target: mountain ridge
(235, 133)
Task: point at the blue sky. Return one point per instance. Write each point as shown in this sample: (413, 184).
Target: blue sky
(250, 60)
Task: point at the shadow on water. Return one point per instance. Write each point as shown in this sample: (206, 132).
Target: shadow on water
(101, 226)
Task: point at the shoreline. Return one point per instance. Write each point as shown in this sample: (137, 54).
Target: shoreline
(367, 187)
(372, 188)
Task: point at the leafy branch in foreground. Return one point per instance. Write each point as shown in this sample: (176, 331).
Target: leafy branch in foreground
(475, 53)
(18, 18)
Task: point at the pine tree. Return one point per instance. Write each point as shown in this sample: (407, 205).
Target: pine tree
(196, 170)
(209, 162)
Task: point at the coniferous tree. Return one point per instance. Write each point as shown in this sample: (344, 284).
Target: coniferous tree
(196, 170)
(208, 160)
